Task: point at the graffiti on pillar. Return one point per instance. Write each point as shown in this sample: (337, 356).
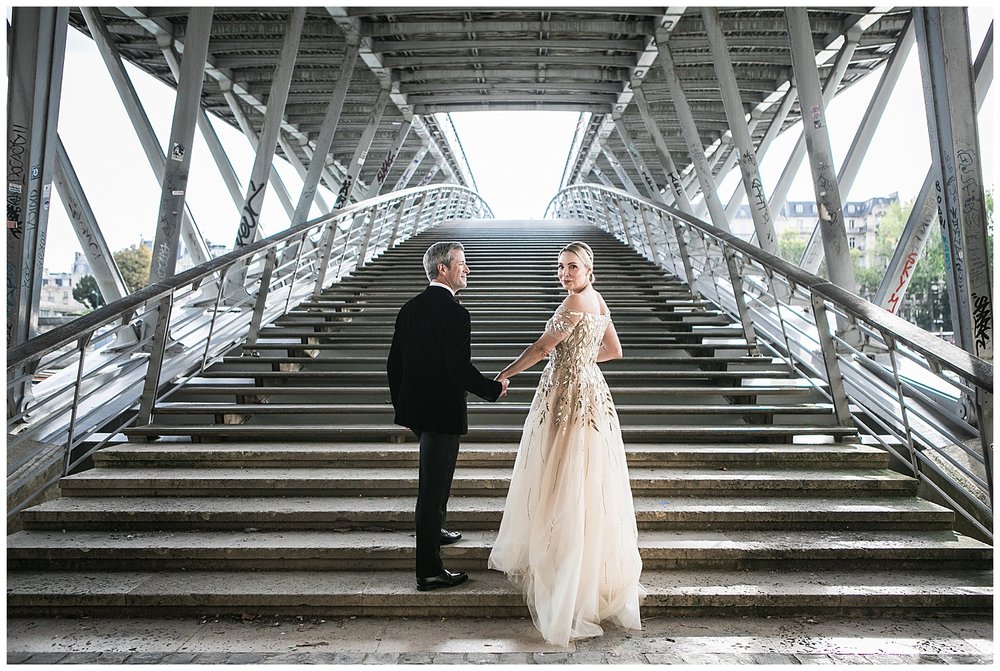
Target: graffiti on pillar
(250, 217)
(344, 193)
(426, 179)
(817, 116)
(17, 144)
(383, 170)
(83, 231)
(982, 320)
(895, 299)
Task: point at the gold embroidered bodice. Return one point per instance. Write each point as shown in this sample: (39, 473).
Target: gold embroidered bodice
(572, 386)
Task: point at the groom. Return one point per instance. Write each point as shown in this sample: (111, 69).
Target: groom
(430, 370)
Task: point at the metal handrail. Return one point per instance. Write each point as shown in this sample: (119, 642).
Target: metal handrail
(875, 368)
(111, 365)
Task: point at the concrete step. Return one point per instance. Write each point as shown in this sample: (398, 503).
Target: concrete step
(394, 550)
(385, 431)
(379, 455)
(223, 390)
(705, 513)
(481, 481)
(527, 378)
(384, 593)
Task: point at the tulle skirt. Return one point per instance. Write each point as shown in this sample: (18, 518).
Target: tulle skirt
(568, 536)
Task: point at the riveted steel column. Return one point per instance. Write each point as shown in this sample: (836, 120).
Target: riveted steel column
(375, 188)
(673, 177)
(252, 203)
(411, 167)
(175, 175)
(140, 123)
(811, 256)
(828, 203)
(689, 130)
(325, 140)
(36, 51)
(943, 41)
(81, 216)
(918, 225)
(742, 141)
(361, 151)
(647, 178)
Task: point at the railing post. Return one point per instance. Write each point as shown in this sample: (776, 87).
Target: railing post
(736, 279)
(363, 248)
(71, 433)
(262, 293)
(154, 367)
(331, 233)
(682, 249)
(649, 233)
(395, 225)
(420, 213)
(828, 348)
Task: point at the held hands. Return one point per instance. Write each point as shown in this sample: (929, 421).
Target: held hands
(505, 382)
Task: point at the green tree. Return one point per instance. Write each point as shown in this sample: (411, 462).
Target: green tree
(791, 246)
(133, 263)
(87, 292)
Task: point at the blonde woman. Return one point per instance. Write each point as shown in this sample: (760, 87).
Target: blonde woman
(568, 536)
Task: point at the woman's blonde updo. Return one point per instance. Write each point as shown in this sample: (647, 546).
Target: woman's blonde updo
(586, 254)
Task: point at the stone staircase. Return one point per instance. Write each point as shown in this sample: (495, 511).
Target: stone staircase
(276, 483)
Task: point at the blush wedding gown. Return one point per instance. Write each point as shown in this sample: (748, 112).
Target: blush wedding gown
(568, 536)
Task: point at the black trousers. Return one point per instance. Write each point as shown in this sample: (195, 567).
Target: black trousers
(438, 454)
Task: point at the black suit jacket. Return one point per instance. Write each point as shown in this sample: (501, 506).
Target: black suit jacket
(430, 365)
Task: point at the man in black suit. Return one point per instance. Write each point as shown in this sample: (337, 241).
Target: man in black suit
(430, 372)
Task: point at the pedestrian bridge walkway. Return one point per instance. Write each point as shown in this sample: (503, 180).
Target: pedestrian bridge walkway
(219, 443)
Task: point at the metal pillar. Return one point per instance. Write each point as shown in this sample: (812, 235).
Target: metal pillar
(811, 257)
(375, 188)
(619, 169)
(742, 141)
(828, 203)
(426, 179)
(918, 225)
(175, 175)
(680, 197)
(689, 130)
(81, 216)
(215, 147)
(666, 160)
(248, 130)
(777, 122)
(140, 123)
(325, 140)
(943, 41)
(647, 178)
(601, 177)
(833, 79)
(361, 151)
(293, 158)
(36, 52)
(411, 167)
(248, 231)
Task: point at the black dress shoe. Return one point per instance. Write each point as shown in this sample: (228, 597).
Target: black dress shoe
(449, 537)
(446, 579)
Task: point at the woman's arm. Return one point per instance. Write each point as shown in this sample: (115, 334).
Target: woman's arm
(611, 347)
(532, 354)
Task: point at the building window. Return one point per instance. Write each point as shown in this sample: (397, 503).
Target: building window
(850, 241)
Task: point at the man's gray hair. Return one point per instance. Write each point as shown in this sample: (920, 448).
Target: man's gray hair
(439, 252)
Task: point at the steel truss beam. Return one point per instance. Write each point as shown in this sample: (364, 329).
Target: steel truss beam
(36, 53)
(949, 90)
(918, 225)
(175, 175)
(828, 200)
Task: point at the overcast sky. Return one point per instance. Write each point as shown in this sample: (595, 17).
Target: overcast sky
(517, 158)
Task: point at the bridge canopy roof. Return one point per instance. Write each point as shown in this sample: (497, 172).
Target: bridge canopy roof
(446, 59)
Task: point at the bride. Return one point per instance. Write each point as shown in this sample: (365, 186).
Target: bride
(568, 536)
